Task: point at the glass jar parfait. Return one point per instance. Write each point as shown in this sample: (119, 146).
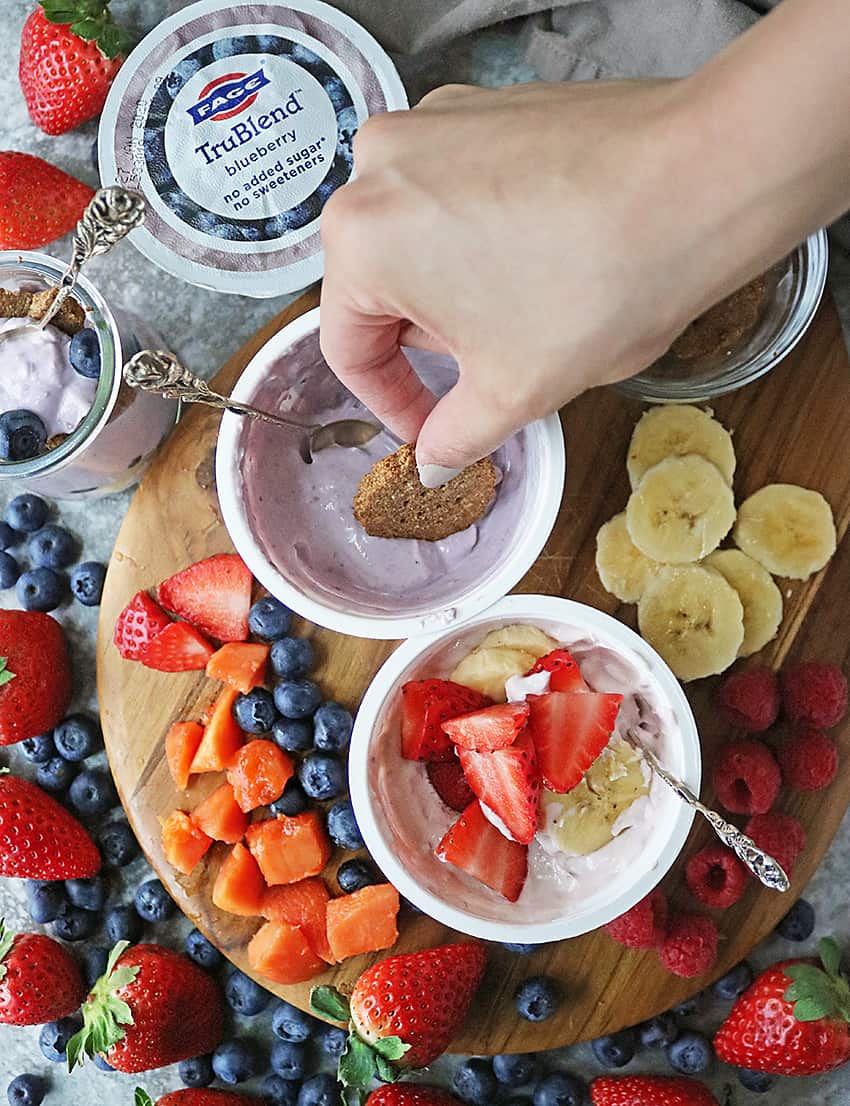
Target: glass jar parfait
(101, 433)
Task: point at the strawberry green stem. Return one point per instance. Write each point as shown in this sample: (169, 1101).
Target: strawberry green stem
(104, 1013)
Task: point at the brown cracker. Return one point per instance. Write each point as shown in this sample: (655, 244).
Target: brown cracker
(392, 503)
(71, 317)
(14, 304)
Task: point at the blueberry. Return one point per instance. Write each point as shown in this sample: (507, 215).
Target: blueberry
(297, 698)
(689, 1006)
(268, 619)
(729, 986)
(10, 570)
(196, 1072)
(87, 583)
(255, 712)
(560, 1088)
(94, 963)
(332, 1040)
(22, 435)
(236, 1061)
(354, 874)
(342, 826)
(291, 1024)
(290, 1059)
(292, 801)
(122, 923)
(278, 1091)
(26, 1090)
(319, 1090)
(515, 1070)
(117, 843)
(799, 923)
(87, 894)
(92, 792)
(322, 776)
(40, 589)
(244, 996)
(292, 657)
(39, 749)
(690, 1053)
(758, 1082)
(293, 736)
(659, 1032)
(74, 924)
(76, 737)
(520, 950)
(54, 1037)
(202, 951)
(537, 998)
(9, 536)
(52, 547)
(152, 902)
(55, 774)
(84, 353)
(45, 900)
(101, 1064)
(332, 727)
(26, 513)
(616, 1050)
(475, 1082)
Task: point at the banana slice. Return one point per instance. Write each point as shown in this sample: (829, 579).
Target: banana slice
(788, 529)
(681, 510)
(674, 431)
(694, 618)
(486, 670)
(520, 636)
(622, 567)
(759, 595)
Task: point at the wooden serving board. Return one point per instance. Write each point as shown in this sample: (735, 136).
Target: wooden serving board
(792, 426)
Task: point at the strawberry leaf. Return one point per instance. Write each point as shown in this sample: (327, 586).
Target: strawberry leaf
(7, 939)
(830, 955)
(104, 1013)
(357, 1064)
(810, 1010)
(329, 1003)
(386, 1070)
(5, 674)
(142, 1098)
(391, 1048)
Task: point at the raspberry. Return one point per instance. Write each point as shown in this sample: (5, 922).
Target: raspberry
(690, 947)
(750, 699)
(746, 777)
(716, 877)
(809, 759)
(643, 926)
(815, 693)
(781, 835)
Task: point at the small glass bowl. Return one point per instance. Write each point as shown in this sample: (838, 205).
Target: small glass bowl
(793, 291)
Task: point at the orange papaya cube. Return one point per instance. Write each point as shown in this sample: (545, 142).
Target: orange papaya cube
(182, 842)
(222, 738)
(281, 953)
(289, 849)
(241, 664)
(219, 816)
(258, 774)
(363, 921)
(303, 904)
(181, 745)
(239, 886)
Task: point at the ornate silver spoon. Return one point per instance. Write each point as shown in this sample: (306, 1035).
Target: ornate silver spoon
(161, 372)
(763, 866)
(109, 216)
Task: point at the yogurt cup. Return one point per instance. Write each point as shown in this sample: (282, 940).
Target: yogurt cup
(401, 818)
(236, 123)
(293, 523)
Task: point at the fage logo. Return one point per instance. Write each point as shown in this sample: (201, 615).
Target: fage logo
(227, 96)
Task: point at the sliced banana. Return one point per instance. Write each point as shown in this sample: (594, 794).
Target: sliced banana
(520, 636)
(788, 529)
(693, 618)
(672, 431)
(486, 670)
(681, 510)
(622, 568)
(759, 595)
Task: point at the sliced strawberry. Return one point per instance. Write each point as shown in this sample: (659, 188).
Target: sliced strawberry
(449, 782)
(490, 728)
(475, 845)
(425, 705)
(565, 673)
(570, 729)
(137, 626)
(214, 595)
(508, 782)
(177, 648)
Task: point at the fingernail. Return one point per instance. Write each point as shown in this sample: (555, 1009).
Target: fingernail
(434, 476)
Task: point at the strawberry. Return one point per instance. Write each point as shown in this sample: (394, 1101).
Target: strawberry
(570, 729)
(39, 839)
(192, 1097)
(649, 1090)
(403, 1011)
(137, 626)
(449, 782)
(793, 1020)
(214, 595)
(565, 674)
(40, 202)
(136, 1014)
(70, 53)
(411, 1094)
(39, 981)
(177, 648)
(425, 705)
(476, 847)
(508, 782)
(487, 729)
(35, 674)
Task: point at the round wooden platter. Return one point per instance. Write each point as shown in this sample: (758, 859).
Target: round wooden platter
(792, 426)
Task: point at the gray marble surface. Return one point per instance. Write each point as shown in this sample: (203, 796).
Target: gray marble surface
(205, 328)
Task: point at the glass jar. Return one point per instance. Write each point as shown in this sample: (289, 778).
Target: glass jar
(122, 430)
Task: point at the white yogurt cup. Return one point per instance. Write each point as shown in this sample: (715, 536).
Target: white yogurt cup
(401, 818)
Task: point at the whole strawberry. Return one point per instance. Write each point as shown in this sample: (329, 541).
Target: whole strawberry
(192, 1097)
(39, 981)
(70, 53)
(649, 1090)
(792, 1020)
(151, 1007)
(35, 671)
(410, 1094)
(39, 839)
(403, 1011)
